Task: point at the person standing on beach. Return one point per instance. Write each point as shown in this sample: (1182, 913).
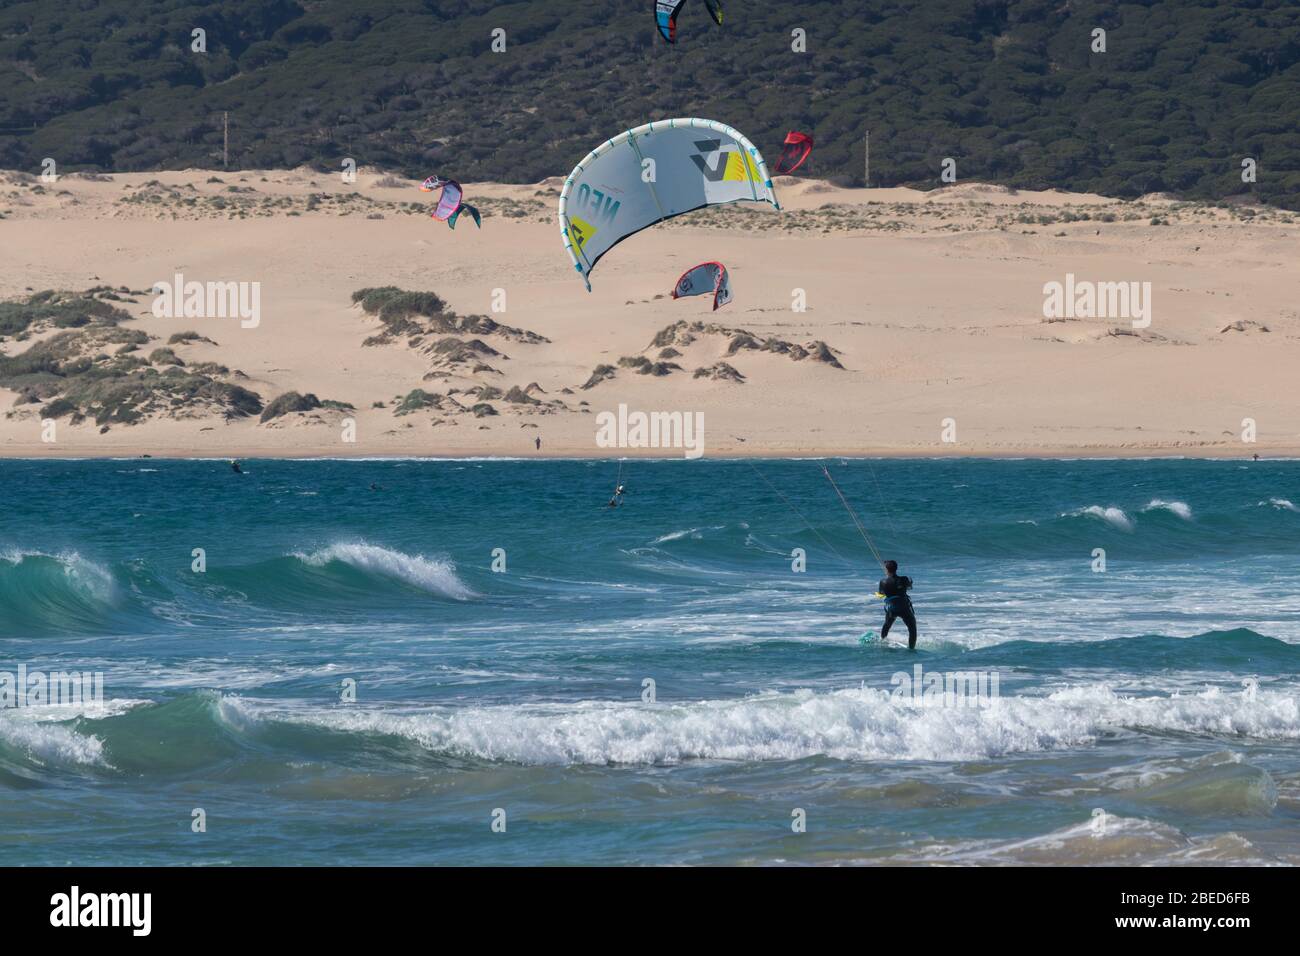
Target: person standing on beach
(897, 604)
(538, 439)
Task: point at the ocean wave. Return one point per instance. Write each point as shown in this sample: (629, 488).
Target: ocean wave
(1222, 783)
(38, 738)
(1113, 516)
(1239, 651)
(857, 725)
(53, 590)
(63, 592)
(179, 735)
(1180, 508)
(434, 575)
(86, 576)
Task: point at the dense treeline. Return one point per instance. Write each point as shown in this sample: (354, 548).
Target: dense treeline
(1010, 90)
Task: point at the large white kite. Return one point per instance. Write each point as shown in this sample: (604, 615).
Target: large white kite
(650, 174)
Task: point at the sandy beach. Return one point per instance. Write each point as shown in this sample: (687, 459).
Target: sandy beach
(931, 304)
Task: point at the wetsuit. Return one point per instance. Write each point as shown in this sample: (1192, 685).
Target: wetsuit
(898, 605)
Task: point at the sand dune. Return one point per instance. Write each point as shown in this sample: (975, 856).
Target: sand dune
(932, 303)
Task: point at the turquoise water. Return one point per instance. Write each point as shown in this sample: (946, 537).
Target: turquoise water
(1121, 731)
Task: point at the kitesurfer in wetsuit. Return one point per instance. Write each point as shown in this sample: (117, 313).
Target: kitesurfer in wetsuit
(897, 604)
(618, 497)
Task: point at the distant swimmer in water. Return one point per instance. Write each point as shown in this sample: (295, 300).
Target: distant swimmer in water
(897, 603)
(234, 466)
(618, 497)
(375, 487)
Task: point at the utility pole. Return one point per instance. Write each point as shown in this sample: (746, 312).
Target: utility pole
(225, 140)
(866, 159)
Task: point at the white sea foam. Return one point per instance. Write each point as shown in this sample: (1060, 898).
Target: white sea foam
(1111, 515)
(42, 733)
(1115, 840)
(1281, 504)
(435, 575)
(46, 742)
(1180, 508)
(693, 533)
(863, 724)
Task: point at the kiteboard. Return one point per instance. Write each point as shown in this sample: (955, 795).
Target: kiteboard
(871, 638)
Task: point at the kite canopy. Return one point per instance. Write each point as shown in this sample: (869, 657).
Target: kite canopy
(451, 203)
(465, 207)
(707, 277)
(798, 147)
(666, 16)
(653, 173)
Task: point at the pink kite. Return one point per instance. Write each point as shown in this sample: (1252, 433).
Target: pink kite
(451, 203)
